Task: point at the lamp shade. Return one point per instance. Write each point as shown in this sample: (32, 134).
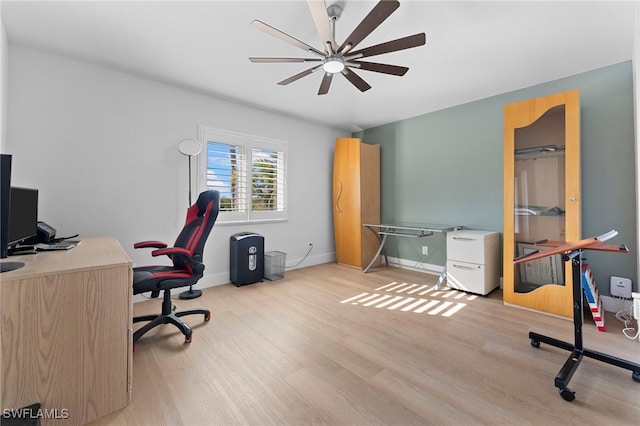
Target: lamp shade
(190, 147)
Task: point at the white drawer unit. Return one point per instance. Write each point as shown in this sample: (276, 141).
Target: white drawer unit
(473, 262)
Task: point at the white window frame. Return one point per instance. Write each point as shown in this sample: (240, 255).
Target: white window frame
(249, 143)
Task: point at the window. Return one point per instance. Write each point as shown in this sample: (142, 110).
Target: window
(249, 172)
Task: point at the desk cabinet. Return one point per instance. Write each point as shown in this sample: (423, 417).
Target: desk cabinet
(356, 200)
(473, 261)
(66, 332)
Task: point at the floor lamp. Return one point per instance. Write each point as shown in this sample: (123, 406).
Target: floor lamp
(190, 147)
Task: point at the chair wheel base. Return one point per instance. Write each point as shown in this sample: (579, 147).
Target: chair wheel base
(567, 394)
(190, 294)
(169, 315)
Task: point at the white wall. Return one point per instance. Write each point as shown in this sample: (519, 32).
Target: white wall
(636, 99)
(101, 147)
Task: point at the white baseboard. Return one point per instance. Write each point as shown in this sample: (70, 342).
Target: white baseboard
(427, 268)
(615, 304)
(610, 304)
(212, 280)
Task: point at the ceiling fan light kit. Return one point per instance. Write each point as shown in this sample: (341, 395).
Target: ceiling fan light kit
(333, 64)
(340, 59)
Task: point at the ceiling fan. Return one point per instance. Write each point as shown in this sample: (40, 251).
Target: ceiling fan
(334, 58)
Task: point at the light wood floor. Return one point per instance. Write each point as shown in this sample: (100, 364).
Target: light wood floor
(290, 352)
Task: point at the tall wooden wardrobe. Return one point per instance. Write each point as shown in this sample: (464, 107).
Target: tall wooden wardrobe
(356, 200)
(541, 198)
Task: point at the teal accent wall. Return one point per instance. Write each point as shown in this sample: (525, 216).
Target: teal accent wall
(446, 167)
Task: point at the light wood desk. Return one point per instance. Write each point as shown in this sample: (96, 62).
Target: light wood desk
(66, 332)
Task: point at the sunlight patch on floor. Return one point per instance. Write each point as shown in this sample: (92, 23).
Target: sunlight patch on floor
(396, 296)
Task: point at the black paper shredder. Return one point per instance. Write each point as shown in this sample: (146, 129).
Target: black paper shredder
(246, 258)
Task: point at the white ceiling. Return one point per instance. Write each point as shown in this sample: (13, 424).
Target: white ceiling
(474, 49)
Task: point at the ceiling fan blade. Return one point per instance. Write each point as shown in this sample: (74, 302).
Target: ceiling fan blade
(378, 14)
(383, 68)
(355, 79)
(321, 19)
(299, 75)
(390, 46)
(283, 36)
(326, 83)
(261, 60)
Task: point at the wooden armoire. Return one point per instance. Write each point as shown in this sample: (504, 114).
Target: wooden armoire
(541, 198)
(356, 200)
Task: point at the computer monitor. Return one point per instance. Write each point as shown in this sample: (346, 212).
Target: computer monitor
(5, 201)
(23, 215)
(5, 211)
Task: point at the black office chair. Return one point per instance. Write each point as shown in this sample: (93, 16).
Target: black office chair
(187, 268)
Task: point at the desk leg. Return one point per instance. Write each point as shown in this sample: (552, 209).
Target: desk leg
(382, 242)
(442, 277)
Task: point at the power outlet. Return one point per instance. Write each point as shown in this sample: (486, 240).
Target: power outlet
(620, 287)
(425, 250)
(636, 306)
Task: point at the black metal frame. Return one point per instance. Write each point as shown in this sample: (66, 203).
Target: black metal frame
(577, 349)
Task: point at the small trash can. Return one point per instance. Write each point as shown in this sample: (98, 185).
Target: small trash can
(274, 262)
(246, 258)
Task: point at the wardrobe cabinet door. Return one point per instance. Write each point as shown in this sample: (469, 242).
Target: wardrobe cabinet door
(346, 201)
(541, 198)
(356, 200)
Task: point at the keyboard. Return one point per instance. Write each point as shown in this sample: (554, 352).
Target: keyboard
(62, 245)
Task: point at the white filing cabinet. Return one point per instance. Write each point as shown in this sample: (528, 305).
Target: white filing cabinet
(473, 262)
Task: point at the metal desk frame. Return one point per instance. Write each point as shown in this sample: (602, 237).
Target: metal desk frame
(407, 230)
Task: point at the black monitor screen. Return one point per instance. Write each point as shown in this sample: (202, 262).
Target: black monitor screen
(5, 194)
(23, 215)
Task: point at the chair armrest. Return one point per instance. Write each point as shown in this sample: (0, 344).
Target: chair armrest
(150, 244)
(171, 250)
(194, 261)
